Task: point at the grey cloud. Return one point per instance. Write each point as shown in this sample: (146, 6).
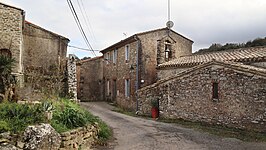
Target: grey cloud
(203, 21)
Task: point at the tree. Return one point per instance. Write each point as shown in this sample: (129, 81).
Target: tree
(7, 81)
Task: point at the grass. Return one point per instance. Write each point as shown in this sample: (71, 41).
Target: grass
(222, 131)
(219, 130)
(18, 116)
(67, 115)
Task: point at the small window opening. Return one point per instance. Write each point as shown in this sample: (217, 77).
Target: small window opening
(127, 53)
(127, 88)
(168, 52)
(215, 91)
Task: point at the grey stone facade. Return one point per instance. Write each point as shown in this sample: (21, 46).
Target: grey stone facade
(122, 78)
(43, 49)
(40, 55)
(189, 95)
(91, 79)
(11, 24)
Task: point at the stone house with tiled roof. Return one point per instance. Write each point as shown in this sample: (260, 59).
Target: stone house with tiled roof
(226, 88)
(255, 56)
(131, 64)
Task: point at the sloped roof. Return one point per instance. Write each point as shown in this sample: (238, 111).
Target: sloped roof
(252, 54)
(90, 59)
(233, 65)
(38, 27)
(11, 6)
(132, 38)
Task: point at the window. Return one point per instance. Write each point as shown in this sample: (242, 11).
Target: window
(108, 87)
(114, 89)
(127, 53)
(115, 56)
(215, 91)
(127, 88)
(107, 58)
(167, 49)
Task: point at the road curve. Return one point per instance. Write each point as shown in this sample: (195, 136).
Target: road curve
(132, 133)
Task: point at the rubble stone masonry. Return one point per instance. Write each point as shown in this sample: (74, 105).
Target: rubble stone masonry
(91, 79)
(241, 99)
(145, 46)
(11, 23)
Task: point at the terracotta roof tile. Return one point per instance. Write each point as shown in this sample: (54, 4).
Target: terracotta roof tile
(253, 54)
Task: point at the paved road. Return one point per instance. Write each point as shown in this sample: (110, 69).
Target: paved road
(133, 133)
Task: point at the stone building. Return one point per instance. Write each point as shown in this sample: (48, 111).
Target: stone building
(90, 82)
(254, 56)
(227, 88)
(43, 48)
(131, 64)
(11, 38)
(37, 51)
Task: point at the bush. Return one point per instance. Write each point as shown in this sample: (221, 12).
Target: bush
(69, 115)
(4, 127)
(71, 118)
(105, 131)
(19, 116)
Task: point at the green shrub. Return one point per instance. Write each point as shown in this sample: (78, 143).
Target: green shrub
(105, 131)
(4, 127)
(59, 127)
(19, 116)
(71, 118)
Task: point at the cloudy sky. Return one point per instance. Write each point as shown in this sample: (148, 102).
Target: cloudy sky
(203, 21)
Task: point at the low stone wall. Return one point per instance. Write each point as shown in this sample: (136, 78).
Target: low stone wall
(83, 137)
(241, 99)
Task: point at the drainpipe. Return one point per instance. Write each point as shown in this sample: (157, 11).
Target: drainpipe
(137, 73)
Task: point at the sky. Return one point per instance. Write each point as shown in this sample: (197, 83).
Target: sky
(109, 21)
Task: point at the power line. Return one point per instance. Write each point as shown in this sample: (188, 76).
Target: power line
(85, 18)
(85, 49)
(73, 11)
(88, 20)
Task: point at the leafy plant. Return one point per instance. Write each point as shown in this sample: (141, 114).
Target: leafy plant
(105, 131)
(7, 81)
(47, 106)
(72, 118)
(155, 103)
(19, 116)
(4, 127)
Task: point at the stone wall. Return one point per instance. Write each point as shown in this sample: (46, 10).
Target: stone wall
(43, 48)
(117, 73)
(11, 23)
(72, 76)
(145, 46)
(80, 138)
(91, 79)
(44, 60)
(153, 54)
(189, 95)
(169, 72)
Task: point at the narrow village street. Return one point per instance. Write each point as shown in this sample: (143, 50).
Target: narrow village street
(132, 133)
